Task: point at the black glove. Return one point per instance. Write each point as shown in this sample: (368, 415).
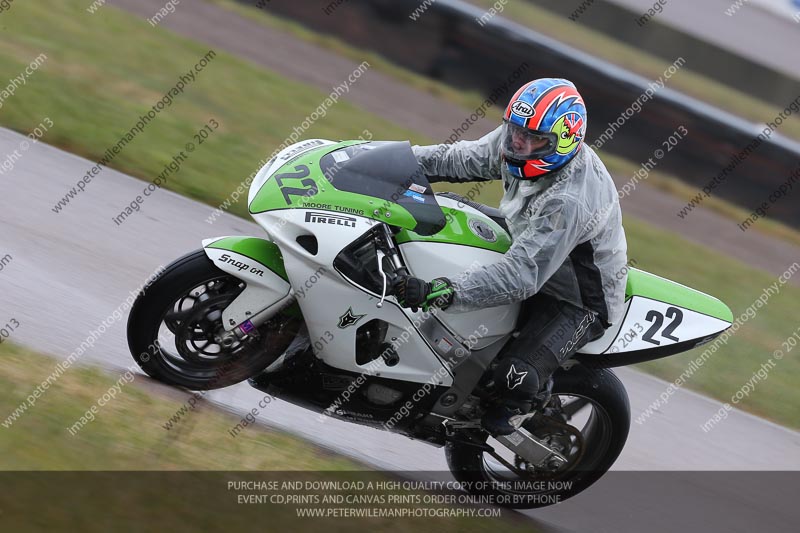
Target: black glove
(415, 293)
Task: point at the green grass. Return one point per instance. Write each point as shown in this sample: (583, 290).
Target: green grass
(105, 70)
(127, 435)
(467, 99)
(600, 45)
(93, 88)
(128, 432)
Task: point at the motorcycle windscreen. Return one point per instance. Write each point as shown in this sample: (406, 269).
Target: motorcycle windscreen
(387, 170)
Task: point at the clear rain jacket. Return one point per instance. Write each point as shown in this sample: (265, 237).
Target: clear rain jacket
(566, 227)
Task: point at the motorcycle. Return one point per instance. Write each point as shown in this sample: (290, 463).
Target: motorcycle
(306, 314)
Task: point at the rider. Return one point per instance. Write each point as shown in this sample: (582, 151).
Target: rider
(568, 258)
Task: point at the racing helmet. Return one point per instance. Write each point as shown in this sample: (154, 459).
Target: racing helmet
(543, 128)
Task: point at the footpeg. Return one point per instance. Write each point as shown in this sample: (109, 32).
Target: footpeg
(518, 420)
(535, 452)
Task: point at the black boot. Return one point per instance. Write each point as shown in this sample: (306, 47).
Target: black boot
(517, 383)
(496, 419)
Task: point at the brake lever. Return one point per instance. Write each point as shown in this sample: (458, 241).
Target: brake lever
(381, 255)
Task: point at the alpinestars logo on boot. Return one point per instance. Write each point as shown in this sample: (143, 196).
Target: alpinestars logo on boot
(515, 378)
(348, 319)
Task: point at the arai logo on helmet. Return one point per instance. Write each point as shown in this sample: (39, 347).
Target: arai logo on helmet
(523, 109)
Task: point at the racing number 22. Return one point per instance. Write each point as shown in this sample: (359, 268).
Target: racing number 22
(658, 320)
(301, 171)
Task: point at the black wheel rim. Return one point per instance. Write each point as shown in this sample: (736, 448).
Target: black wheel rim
(188, 330)
(587, 417)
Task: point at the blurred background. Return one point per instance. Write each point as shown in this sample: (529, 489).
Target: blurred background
(693, 106)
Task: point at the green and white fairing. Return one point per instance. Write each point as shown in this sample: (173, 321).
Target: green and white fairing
(321, 202)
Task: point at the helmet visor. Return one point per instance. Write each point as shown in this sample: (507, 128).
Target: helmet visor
(522, 144)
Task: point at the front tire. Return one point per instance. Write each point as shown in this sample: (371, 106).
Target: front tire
(601, 409)
(177, 318)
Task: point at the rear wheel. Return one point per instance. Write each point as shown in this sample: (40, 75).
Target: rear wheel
(586, 421)
(175, 329)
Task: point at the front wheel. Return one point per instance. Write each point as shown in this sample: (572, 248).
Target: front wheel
(175, 327)
(586, 421)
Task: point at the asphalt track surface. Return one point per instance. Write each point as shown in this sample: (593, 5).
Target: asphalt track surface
(754, 31)
(69, 271)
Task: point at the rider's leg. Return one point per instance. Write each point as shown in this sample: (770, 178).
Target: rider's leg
(552, 332)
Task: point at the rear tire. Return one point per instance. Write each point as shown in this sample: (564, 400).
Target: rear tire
(604, 436)
(173, 322)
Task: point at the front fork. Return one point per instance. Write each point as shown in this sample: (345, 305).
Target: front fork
(259, 264)
(250, 326)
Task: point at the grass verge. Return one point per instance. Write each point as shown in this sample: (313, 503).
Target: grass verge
(127, 434)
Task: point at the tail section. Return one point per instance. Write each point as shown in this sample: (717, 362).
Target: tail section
(662, 318)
